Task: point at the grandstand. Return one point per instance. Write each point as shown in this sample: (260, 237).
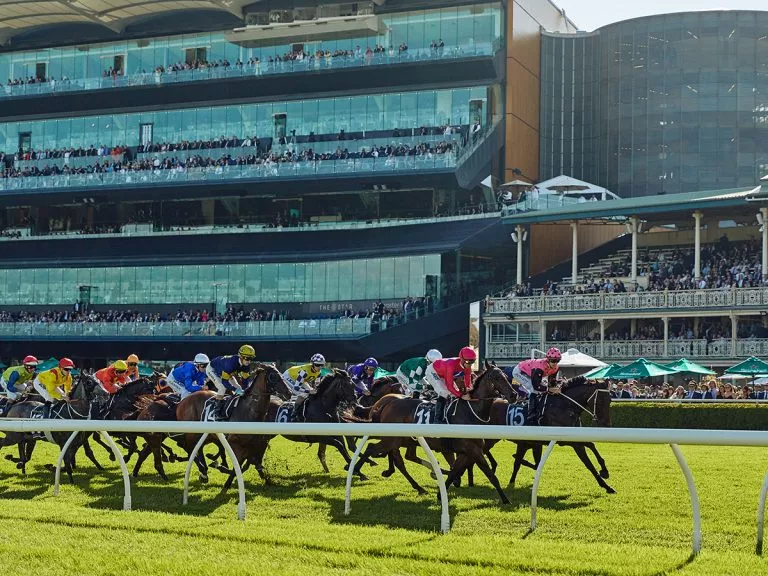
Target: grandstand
(303, 177)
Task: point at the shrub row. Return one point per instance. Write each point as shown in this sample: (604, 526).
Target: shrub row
(696, 416)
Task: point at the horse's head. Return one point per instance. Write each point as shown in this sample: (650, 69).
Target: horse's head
(385, 385)
(137, 387)
(83, 388)
(269, 380)
(338, 388)
(589, 396)
(493, 383)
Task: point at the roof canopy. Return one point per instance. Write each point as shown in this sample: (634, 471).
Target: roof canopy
(17, 16)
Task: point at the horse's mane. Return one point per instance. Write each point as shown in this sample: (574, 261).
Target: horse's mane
(384, 381)
(326, 381)
(129, 385)
(574, 383)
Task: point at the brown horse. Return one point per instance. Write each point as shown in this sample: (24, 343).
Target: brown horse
(334, 393)
(252, 407)
(489, 385)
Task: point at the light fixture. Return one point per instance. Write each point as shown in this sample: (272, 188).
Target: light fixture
(514, 236)
(525, 235)
(760, 220)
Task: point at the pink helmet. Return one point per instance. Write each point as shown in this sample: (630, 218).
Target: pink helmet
(554, 354)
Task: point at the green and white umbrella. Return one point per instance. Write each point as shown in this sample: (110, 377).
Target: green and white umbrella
(686, 366)
(642, 368)
(603, 372)
(750, 367)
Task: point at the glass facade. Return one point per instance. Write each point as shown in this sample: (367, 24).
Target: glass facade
(462, 29)
(406, 111)
(342, 280)
(663, 104)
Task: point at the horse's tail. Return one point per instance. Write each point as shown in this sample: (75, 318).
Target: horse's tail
(360, 415)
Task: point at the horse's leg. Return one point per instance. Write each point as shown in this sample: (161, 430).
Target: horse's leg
(96, 436)
(89, 452)
(518, 458)
(479, 459)
(22, 465)
(458, 467)
(410, 455)
(338, 443)
(581, 452)
(390, 467)
(143, 454)
(398, 461)
(321, 456)
(487, 451)
(604, 474)
(172, 456)
(377, 450)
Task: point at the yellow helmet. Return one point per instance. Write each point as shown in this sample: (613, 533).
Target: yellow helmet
(247, 351)
(132, 359)
(120, 365)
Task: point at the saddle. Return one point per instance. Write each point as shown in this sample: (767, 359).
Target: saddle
(426, 412)
(211, 411)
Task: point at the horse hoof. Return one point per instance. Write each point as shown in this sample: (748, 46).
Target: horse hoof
(19, 466)
(505, 501)
(387, 473)
(9, 457)
(164, 477)
(422, 492)
(204, 479)
(362, 477)
(111, 457)
(610, 490)
(604, 474)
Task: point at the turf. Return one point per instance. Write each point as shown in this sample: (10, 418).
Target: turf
(298, 527)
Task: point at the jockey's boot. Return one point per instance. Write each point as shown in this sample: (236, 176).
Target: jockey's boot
(415, 394)
(440, 410)
(533, 409)
(218, 410)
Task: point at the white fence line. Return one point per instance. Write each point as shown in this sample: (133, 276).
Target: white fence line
(549, 435)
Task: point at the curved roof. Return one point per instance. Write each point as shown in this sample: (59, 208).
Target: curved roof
(17, 16)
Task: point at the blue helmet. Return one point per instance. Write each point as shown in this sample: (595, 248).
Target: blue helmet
(371, 363)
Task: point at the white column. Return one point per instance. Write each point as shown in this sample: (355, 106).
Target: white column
(602, 337)
(665, 319)
(634, 223)
(734, 332)
(697, 245)
(519, 230)
(764, 212)
(575, 253)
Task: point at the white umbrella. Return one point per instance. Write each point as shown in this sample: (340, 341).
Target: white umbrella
(733, 377)
(572, 358)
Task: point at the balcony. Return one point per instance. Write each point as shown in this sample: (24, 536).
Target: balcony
(342, 328)
(207, 176)
(738, 300)
(722, 351)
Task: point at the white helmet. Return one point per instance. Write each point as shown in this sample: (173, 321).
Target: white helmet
(433, 355)
(202, 359)
(317, 360)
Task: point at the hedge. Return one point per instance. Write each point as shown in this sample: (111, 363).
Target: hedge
(695, 416)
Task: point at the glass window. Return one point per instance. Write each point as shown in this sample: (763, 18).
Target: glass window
(269, 283)
(253, 283)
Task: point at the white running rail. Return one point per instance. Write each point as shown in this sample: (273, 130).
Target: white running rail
(548, 435)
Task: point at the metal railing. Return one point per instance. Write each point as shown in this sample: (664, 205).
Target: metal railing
(635, 301)
(278, 329)
(630, 350)
(247, 70)
(390, 165)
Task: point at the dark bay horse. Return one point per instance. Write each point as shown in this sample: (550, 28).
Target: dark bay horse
(489, 385)
(334, 394)
(78, 407)
(577, 396)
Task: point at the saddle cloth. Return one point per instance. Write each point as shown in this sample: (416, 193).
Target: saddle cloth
(209, 408)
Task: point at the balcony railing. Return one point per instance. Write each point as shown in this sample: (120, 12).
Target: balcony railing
(629, 302)
(248, 70)
(390, 165)
(278, 329)
(630, 350)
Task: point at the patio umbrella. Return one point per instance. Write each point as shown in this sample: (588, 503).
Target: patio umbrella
(47, 364)
(642, 368)
(602, 371)
(572, 358)
(688, 367)
(381, 373)
(145, 370)
(750, 367)
(733, 377)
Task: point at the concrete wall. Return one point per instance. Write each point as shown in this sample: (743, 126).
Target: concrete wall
(525, 19)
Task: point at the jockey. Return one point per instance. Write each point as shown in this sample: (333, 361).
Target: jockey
(14, 379)
(133, 367)
(529, 374)
(223, 371)
(411, 373)
(189, 377)
(442, 374)
(301, 378)
(362, 376)
(113, 378)
(56, 383)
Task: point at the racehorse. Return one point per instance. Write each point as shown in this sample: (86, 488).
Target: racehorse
(78, 407)
(334, 393)
(489, 385)
(577, 396)
(252, 406)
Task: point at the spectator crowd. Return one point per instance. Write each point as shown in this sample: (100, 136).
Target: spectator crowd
(710, 389)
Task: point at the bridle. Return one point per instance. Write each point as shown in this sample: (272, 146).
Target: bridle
(592, 398)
